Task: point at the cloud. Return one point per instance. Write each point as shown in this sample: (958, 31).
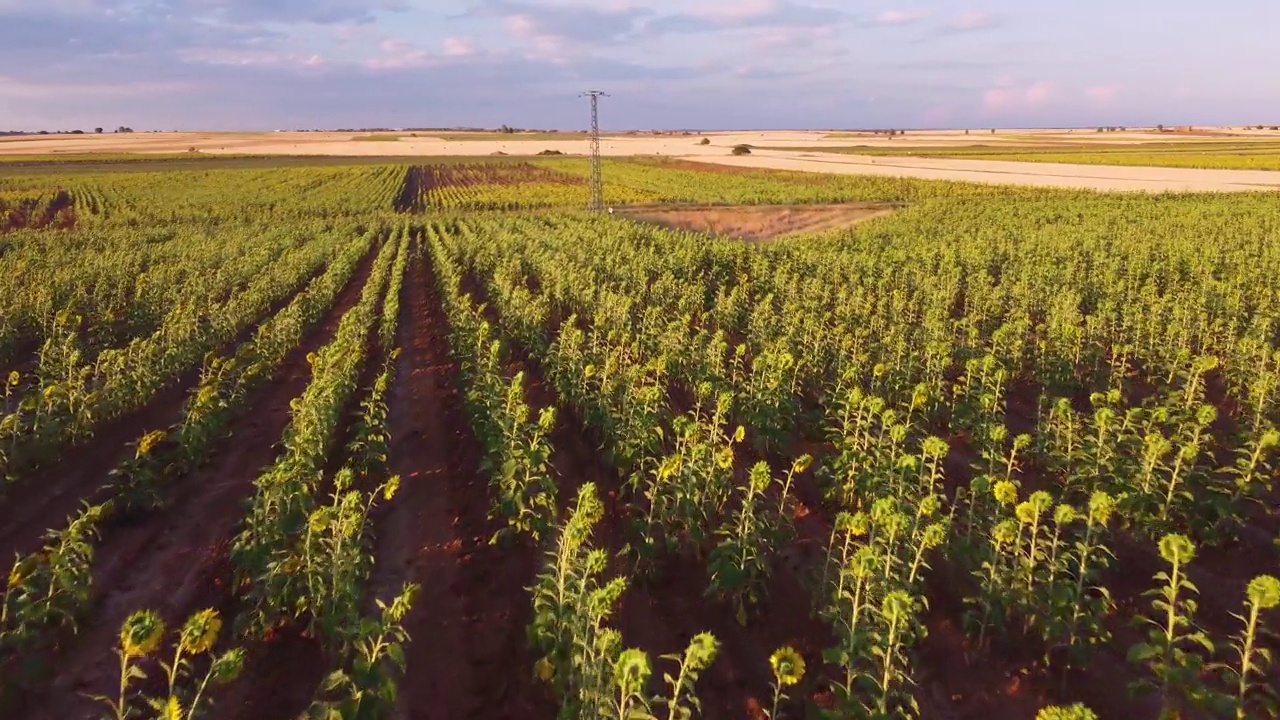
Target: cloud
(577, 22)
(286, 11)
(398, 54)
(14, 88)
(749, 14)
(791, 38)
(970, 22)
(459, 47)
(1103, 93)
(901, 17)
(1008, 96)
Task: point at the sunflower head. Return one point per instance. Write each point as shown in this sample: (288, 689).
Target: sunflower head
(1004, 532)
(788, 666)
(897, 604)
(1101, 505)
(21, 570)
(1064, 514)
(1027, 512)
(632, 669)
(1177, 549)
(200, 632)
(141, 633)
(934, 535)
(701, 651)
(544, 670)
(1264, 592)
(1006, 492)
(172, 709)
(227, 666)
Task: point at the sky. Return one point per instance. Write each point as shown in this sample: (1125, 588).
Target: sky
(686, 64)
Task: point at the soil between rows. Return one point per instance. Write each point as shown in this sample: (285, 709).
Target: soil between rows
(53, 493)
(468, 656)
(666, 605)
(176, 562)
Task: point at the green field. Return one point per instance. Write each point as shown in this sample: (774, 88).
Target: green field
(375, 438)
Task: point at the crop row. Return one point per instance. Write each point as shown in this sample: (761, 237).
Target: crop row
(1148, 459)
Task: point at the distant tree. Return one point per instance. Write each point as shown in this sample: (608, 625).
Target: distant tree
(741, 150)
(966, 132)
(1160, 128)
(993, 131)
(77, 132)
(704, 141)
(98, 130)
(124, 129)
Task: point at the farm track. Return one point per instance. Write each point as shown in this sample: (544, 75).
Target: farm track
(54, 492)
(468, 657)
(177, 562)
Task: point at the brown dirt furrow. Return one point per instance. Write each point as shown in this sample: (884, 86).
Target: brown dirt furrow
(282, 673)
(468, 657)
(177, 562)
(53, 493)
(49, 495)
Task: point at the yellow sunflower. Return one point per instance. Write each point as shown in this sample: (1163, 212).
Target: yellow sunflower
(788, 666)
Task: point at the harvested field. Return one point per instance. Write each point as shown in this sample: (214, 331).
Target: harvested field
(773, 149)
(1005, 172)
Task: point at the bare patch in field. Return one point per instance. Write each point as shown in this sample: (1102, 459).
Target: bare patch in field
(758, 222)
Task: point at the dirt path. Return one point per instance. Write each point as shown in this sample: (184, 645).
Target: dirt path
(468, 657)
(1001, 172)
(177, 562)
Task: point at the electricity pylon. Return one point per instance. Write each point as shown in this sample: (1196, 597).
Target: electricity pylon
(597, 183)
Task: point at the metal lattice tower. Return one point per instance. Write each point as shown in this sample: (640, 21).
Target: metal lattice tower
(597, 182)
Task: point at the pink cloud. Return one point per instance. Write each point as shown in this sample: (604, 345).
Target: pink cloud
(729, 12)
(399, 54)
(900, 17)
(974, 20)
(791, 37)
(1039, 93)
(1103, 93)
(253, 58)
(1007, 95)
(395, 46)
(459, 47)
(521, 26)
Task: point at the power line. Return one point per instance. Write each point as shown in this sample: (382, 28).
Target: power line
(597, 182)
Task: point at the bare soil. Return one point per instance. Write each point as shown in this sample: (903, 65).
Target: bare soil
(55, 492)
(759, 222)
(468, 657)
